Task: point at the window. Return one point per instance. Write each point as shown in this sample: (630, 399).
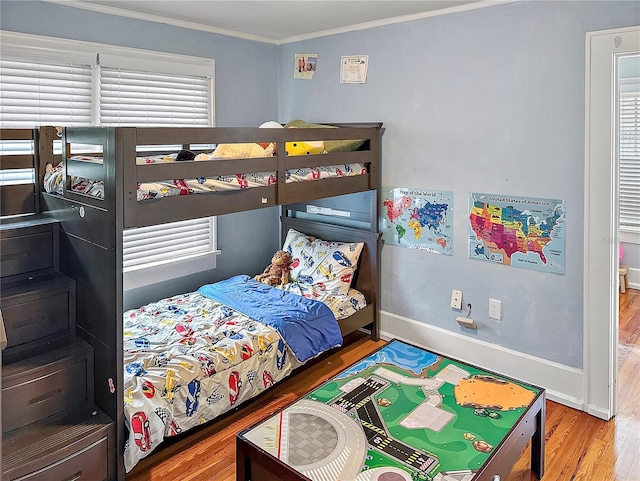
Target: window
(49, 81)
(147, 250)
(149, 99)
(629, 128)
(16, 176)
(36, 93)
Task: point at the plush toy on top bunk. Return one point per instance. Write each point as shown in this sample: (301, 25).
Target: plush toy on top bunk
(304, 148)
(237, 151)
(245, 150)
(278, 271)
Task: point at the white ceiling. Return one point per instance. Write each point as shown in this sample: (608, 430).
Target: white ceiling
(277, 21)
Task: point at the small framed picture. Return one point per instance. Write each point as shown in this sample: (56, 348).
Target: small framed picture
(305, 65)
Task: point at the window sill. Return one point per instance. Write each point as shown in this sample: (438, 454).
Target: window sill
(146, 276)
(629, 235)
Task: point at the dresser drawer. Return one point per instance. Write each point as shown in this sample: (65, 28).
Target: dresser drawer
(38, 310)
(35, 319)
(26, 253)
(88, 464)
(28, 249)
(53, 379)
(32, 400)
(77, 445)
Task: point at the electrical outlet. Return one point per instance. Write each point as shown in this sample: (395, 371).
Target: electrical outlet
(456, 299)
(495, 309)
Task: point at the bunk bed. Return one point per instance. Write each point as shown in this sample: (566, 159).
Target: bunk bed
(336, 209)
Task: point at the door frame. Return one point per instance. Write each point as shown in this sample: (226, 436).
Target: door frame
(600, 289)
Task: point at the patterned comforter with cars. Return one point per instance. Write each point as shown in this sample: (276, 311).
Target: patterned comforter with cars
(189, 359)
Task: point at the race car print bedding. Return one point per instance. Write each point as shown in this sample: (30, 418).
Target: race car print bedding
(53, 180)
(190, 358)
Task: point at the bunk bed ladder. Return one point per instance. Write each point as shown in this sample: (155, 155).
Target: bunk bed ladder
(51, 429)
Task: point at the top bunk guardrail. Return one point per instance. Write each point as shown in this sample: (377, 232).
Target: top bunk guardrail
(20, 170)
(120, 165)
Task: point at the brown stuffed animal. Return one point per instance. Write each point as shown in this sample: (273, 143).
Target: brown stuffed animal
(278, 271)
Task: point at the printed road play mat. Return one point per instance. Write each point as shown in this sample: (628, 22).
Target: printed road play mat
(400, 414)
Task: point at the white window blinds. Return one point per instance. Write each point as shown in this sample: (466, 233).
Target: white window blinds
(150, 246)
(153, 99)
(38, 93)
(129, 97)
(629, 182)
(49, 81)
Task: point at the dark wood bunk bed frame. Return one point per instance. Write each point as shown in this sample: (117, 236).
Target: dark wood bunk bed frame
(91, 229)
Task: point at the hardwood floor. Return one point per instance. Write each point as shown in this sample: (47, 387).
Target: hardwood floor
(579, 447)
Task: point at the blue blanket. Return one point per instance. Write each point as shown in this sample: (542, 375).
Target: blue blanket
(307, 326)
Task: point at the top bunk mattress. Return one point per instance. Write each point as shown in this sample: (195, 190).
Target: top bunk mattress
(54, 179)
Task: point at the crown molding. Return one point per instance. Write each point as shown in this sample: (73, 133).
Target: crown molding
(160, 19)
(258, 38)
(403, 18)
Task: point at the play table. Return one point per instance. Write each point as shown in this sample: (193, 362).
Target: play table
(400, 414)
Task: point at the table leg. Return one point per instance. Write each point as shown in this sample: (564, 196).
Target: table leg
(242, 473)
(537, 443)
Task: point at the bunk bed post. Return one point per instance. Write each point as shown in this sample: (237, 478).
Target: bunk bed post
(374, 145)
(374, 185)
(43, 140)
(375, 327)
(120, 142)
(281, 155)
(128, 141)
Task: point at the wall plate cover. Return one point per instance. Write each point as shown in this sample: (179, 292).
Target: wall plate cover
(466, 322)
(456, 299)
(495, 309)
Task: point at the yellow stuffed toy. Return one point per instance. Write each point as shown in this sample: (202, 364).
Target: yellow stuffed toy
(304, 148)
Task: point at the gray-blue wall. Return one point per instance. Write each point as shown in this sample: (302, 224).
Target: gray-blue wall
(489, 100)
(245, 82)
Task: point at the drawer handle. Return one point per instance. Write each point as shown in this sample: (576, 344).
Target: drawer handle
(17, 255)
(28, 322)
(45, 396)
(73, 477)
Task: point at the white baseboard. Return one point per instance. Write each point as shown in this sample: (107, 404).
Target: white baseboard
(633, 278)
(598, 412)
(563, 384)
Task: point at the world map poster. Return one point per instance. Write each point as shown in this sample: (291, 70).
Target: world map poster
(418, 219)
(518, 231)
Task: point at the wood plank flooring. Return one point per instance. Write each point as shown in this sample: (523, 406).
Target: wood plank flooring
(579, 447)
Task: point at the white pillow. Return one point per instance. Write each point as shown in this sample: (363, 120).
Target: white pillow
(329, 265)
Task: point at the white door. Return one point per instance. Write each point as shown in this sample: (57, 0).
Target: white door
(600, 292)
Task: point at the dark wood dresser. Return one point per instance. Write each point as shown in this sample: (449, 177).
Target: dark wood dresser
(51, 429)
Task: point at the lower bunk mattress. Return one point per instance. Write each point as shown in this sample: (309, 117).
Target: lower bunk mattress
(192, 357)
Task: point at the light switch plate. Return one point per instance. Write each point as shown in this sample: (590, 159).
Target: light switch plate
(456, 299)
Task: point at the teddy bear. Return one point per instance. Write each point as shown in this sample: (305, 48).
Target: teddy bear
(278, 271)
